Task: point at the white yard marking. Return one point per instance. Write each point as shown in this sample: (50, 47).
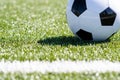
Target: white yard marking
(59, 66)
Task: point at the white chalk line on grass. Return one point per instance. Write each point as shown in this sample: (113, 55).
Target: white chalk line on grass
(59, 66)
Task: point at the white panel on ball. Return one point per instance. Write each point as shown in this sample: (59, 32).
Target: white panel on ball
(115, 5)
(102, 33)
(97, 5)
(70, 3)
(116, 25)
(76, 23)
(89, 17)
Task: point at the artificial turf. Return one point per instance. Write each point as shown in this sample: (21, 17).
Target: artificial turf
(62, 76)
(37, 30)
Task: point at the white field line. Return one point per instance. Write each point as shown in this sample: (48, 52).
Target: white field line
(59, 66)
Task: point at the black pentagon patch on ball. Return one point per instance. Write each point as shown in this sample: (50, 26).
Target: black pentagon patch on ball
(107, 17)
(79, 6)
(84, 35)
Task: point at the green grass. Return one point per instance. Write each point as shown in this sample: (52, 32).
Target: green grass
(38, 30)
(62, 76)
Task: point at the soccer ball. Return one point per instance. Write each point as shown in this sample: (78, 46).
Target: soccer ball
(95, 20)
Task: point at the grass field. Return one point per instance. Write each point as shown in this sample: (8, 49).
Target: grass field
(37, 30)
(62, 76)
